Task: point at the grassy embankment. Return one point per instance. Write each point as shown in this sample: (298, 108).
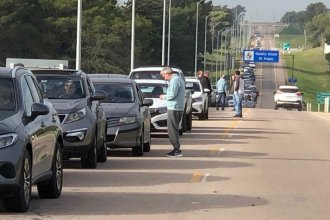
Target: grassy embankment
(311, 69)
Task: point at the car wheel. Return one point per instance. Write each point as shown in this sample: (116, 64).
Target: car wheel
(300, 108)
(91, 160)
(189, 121)
(184, 122)
(147, 145)
(276, 107)
(137, 151)
(102, 155)
(53, 187)
(20, 200)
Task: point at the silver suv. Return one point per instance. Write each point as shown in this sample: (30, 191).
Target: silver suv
(31, 141)
(83, 119)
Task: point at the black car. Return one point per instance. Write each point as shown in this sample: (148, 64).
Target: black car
(127, 112)
(78, 105)
(30, 141)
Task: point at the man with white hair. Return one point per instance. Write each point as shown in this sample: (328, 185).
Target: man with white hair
(175, 105)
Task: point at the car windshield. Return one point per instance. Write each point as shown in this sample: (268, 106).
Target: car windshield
(62, 87)
(116, 92)
(7, 96)
(196, 87)
(153, 90)
(148, 75)
(289, 90)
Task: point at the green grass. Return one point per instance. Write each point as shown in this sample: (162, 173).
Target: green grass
(312, 72)
(296, 41)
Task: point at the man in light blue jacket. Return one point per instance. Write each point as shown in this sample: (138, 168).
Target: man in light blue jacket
(221, 90)
(175, 105)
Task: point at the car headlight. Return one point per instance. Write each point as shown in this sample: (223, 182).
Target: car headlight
(161, 110)
(75, 116)
(197, 99)
(127, 120)
(8, 140)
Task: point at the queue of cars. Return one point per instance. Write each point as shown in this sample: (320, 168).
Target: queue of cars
(54, 114)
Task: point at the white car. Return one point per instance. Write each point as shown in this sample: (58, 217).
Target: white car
(288, 97)
(152, 89)
(153, 73)
(199, 98)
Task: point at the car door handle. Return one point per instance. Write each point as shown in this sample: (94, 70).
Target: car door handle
(42, 125)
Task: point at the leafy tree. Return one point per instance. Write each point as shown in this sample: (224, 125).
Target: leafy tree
(315, 9)
(316, 28)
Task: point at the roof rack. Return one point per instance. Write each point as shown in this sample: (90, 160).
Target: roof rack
(37, 63)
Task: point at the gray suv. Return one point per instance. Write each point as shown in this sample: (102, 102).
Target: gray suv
(30, 141)
(81, 114)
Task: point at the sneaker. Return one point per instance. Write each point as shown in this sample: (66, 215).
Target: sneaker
(174, 154)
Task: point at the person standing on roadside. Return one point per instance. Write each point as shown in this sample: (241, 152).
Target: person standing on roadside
(209, 87)
(221, 90)
(238, 93)
(175, 104)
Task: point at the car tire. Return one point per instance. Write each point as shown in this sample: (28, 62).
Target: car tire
(53, 188)
(20, 200)
(137, 151)
(102, 155)
(184, 122)
(276, 107)
(147, 145)
(91, 160)
(300, 108)
(189, 120)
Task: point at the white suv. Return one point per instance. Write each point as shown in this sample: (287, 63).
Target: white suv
(199, 98)
(153, 73)
(288, 97)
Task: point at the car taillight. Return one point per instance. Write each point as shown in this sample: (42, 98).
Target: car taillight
(298, 93)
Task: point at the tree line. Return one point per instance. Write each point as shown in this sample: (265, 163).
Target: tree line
(46, 29)
(314, 22)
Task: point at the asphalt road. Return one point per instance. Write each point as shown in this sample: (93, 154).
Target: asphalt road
(268, 165)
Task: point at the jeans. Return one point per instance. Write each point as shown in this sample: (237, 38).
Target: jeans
(173, 121)
(221, 100)
(238, 98)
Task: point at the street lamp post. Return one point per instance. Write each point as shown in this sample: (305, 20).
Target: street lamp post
(163, 37)
(169, 32)
(205, 40)
(196, 37)
(78, 46)
(133, 35)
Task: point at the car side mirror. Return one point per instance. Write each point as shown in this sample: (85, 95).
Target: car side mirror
(206, 90)
(99, 95)
(39, 109)
(147, 102)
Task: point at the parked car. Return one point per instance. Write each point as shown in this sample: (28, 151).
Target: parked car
(153, 73)
(288, 97)
(80, 111)
(200, 98)
(31, 141)
(127, 112)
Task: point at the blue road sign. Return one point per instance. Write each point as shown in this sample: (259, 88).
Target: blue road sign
(292, 79)
(268, 56)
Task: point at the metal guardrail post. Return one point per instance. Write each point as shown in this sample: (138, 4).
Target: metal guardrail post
(326, 105)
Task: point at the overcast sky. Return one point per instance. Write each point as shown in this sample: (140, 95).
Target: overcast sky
(268, 10)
